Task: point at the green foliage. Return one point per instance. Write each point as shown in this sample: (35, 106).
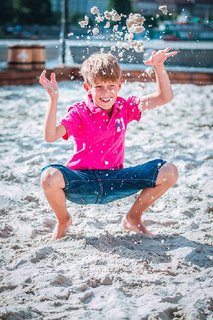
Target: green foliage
(6, 12)
(26, 12)
(121, 6)
(33, 11)
(75, 18)
(150, 21)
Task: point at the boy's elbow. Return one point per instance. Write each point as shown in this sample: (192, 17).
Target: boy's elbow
(49, 138)
(172, 96)
(169, 98)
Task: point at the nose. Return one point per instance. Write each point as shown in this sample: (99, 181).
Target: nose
(106, 89)
(110, 89)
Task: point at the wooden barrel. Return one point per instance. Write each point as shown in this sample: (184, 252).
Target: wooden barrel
(38, 57)
(20, 57)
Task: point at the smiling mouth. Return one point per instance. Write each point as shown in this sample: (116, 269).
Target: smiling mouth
(106, 100)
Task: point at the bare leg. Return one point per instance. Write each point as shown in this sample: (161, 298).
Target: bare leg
(167, 177)
(52, 182)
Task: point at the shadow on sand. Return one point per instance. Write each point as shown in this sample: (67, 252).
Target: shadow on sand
(159, 249)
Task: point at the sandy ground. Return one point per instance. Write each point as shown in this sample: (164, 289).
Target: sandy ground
(99, 271)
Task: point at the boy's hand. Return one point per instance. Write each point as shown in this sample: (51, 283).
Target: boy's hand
(159, 57)
(50, 85)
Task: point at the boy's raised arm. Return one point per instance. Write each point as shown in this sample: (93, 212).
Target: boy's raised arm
(52, 131)
(164, 92)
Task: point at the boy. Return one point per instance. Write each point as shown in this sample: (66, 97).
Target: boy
(95, 173)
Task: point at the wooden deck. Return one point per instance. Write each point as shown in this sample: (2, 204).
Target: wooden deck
(19, 77)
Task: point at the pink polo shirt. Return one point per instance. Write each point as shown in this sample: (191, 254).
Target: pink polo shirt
(99, 138)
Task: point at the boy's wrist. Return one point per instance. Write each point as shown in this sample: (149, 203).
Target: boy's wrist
(159, 67)
(54, 98)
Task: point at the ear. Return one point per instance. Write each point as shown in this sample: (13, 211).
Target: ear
(120, 84)
(86, 87)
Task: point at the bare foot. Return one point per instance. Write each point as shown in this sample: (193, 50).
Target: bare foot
(61, 229)
(139, 228)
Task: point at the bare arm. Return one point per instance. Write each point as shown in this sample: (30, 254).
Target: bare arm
(52, 131)
(164, 92)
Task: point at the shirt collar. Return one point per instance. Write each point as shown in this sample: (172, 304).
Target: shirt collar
(94, 109)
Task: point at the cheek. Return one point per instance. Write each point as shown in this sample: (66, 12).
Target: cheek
(97, 94)
(94, 93)
(115, 91)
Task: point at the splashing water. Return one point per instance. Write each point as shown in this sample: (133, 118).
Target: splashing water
(135, 23)
(95, 31)
(123, 35)
(95, 10)
(84, 23)
(164, 9)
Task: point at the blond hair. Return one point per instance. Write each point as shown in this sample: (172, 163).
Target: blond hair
(101, 66)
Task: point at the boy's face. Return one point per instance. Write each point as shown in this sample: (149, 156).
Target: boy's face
(104, 94)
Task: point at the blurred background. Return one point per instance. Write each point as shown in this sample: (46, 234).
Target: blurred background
(31, 19)
(188, 26)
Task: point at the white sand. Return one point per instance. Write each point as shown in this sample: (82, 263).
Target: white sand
(99, 271)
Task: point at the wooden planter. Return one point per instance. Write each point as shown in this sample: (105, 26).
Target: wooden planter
(20, 57)
(38, 57)
(24, 57)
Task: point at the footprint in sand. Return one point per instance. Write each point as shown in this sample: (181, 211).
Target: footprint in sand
(41, 254)
(61, 281)
(87, 297)
(31, 198)
(6, 230)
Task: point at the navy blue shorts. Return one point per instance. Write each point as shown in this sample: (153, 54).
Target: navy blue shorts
(104, 186)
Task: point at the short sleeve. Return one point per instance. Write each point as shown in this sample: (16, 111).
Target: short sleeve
(133, 110)
(71, 122)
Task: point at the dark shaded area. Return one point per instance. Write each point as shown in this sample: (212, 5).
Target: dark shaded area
(139, 247)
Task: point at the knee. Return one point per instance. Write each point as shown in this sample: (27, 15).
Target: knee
(171, 173)
(52, 178)
(168, 174)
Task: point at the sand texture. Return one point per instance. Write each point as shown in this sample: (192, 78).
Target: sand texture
(98, 271)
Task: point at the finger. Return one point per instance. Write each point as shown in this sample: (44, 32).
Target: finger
(171, 54)
(147, 62)
(167, 50)
(42, 76)
(44, 83)
(43, 80)
(159, 52)
(53, 77)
